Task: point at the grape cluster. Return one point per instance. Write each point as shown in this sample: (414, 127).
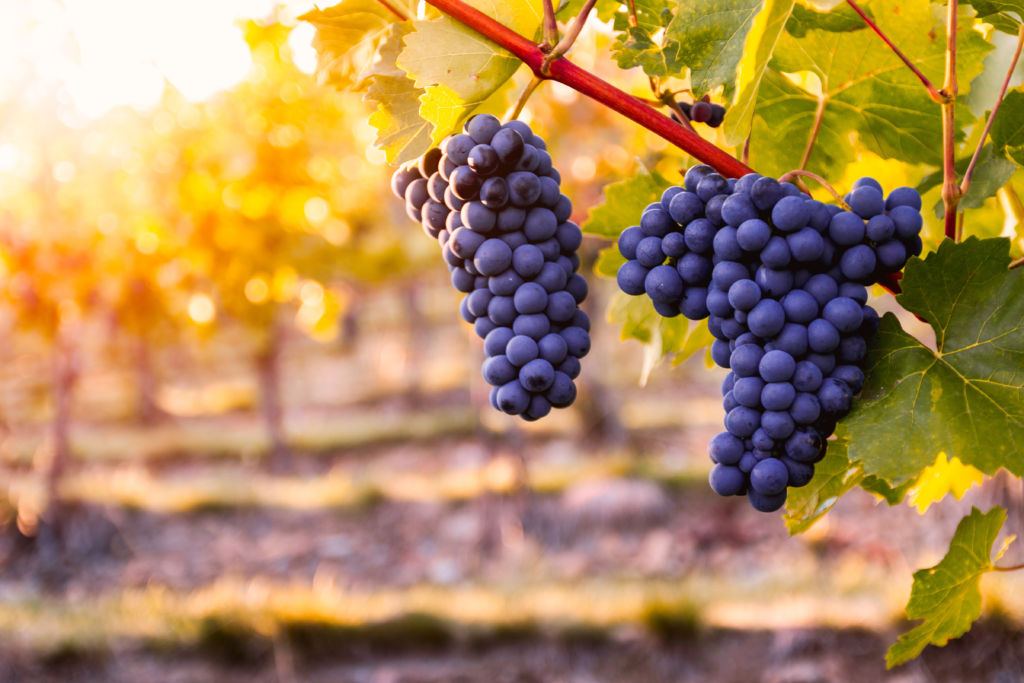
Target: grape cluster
(781, 279)
(491, 198)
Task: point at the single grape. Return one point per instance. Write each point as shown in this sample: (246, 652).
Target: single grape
(663, 284)
(903, 196)
(631, 277)
(790, 214)
(727, 480)
(700, 112)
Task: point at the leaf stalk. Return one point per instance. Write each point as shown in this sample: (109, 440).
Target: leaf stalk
(1011, 568)
(819, 114)
(938, 96)
(570, 36)
(550, 24)
(995, 109)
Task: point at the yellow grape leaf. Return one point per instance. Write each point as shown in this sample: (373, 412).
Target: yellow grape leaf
(459, 68)
(401, 131)
(347, 36)
(760, 44)
(447, 111)
(945, 476)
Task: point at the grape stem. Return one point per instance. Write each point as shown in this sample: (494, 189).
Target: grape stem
(550, 25)
(562, 70)
(940, 96)
(817, 178)
(633, 21)
(521, 102)
(391, 8)
(1011, 568)
(570, 36)
(995, 109)
(1018, 263)
(950, 186)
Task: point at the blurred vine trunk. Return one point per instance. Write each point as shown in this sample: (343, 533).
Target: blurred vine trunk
(147, 412)
(268, 367)
(600, 406)
(419, 333)
(65, 375)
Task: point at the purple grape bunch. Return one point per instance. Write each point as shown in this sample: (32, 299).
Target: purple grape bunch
(491, 198)
(782, 280)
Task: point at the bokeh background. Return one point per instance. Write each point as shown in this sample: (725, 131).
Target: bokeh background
(243, 433)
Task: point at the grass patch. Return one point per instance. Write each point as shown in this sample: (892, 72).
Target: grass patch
(223, 487)
(241, 621)
(672, 620)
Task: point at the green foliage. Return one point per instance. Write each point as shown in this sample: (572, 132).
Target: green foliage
(676, 338)
(1005, 15)
(964, 399)
(1008, 127)
(711, 35)
(834, 476)
(761, 41)
(865, 89)
(623, 203)
(991, 173)
(840, 19)
(947, 596)
(647, 45)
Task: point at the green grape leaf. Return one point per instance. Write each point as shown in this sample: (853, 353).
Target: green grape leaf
(651, 15)
(401, 132)
(636, 314)
(635, 47)
(760, 45)
(867, 89)
(966, 397)
(1005, 15)
(604, 9)
(840, 19)
(990, 173)
(711, 34)
(348, 34)
(457, 67)
(624, 201)
(682, 338)
(948, 596)
(785, 112)
(645, 45)
(609, 260)
(834, 476)
(677, 337)
(1008, 127)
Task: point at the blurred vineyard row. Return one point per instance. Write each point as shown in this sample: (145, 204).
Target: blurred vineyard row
(237, 220)
(151, 258)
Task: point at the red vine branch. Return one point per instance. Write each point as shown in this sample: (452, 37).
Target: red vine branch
(586, 83)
